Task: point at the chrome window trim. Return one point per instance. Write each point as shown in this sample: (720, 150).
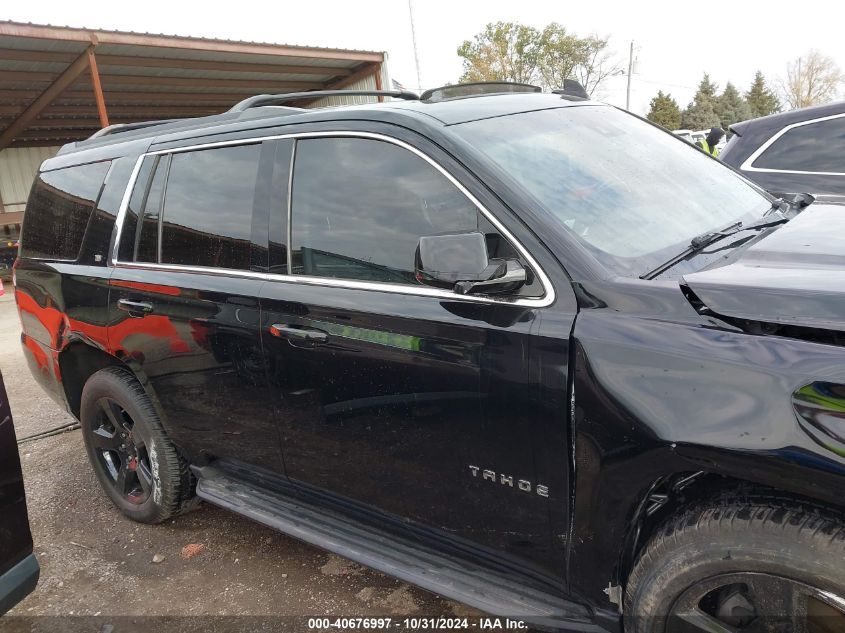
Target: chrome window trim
(124, 206)
(536, 302)
(289, 202)
(748, 165)
(179, 268)
(168, 164)
(347, 284)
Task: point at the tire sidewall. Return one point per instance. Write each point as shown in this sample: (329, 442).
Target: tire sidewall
(110, 384)
(703, 555)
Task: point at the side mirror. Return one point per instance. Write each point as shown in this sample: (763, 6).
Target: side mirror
(460, 263)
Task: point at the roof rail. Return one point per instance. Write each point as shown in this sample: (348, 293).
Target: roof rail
(117, 128)
(474, 89)
(266, 100)
(572, 90)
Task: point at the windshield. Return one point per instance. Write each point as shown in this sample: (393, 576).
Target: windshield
(633, 194)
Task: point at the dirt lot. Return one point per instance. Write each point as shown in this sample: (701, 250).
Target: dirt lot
(99, 565)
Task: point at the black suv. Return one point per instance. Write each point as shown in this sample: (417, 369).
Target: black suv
(524, 350)
(801, 151)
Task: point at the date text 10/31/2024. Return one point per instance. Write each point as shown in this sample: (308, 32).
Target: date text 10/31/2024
(416, 624)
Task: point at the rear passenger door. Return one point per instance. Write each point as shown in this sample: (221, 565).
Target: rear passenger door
(399, 397)
(184, 298)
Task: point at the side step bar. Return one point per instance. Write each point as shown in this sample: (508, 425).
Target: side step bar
(397, 556)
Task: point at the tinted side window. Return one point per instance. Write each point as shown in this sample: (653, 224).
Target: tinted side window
(359, 207)
(126, 251)
(101, 225)
(58, 210)
(812, 147)
(207, 214)
(146, 247)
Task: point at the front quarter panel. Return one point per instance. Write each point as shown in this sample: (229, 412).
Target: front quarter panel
(661, 390)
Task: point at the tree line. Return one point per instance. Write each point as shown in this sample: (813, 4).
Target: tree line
(711, 109)
(812, 79)
(509, 51)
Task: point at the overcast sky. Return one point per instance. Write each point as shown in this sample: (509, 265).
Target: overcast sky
(675, 42)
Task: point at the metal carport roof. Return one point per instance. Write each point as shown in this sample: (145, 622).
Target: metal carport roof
(60, 84)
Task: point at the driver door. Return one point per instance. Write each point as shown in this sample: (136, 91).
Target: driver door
(397, 397)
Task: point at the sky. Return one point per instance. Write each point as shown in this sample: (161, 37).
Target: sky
(674, 42)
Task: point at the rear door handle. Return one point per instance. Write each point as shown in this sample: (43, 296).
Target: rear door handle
(295, 333)
(134, 308)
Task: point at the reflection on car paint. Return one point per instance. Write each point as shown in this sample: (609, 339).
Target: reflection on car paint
(821, 411)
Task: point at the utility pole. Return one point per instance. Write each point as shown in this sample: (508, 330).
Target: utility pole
(630, 72)
(800, 83)
(414, 40)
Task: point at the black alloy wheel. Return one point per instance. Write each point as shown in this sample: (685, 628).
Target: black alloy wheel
(140, 469)
(756, 603)
(122, 452)
(753, 564)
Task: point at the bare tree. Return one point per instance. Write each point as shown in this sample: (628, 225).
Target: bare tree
(560, 52)
(564, 55)
(596, 63)
(811, 79)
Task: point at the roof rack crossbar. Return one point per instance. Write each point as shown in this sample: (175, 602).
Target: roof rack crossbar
(117, 128)
(476, 89)
(266, 100)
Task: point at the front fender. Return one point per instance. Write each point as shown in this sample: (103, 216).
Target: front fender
(658, 393)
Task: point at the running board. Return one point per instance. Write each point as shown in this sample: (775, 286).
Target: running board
(385, 551)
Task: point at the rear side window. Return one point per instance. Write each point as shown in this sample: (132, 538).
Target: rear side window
(207, 212)
(146, 237)
(815, 147)
(359, 207)
(58, 210)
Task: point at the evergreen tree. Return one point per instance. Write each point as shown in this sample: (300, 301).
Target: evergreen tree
(761, 100)
(730, 107)
(706, 89)
(665, 111)
(701, 113)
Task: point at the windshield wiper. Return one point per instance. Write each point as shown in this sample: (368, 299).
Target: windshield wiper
(700, 242)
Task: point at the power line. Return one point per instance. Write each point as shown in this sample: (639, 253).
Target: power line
(666, 83)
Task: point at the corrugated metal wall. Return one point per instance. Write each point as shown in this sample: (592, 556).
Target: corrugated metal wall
(18, 166)
(368, 83)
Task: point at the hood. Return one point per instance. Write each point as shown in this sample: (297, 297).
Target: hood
(795, 276)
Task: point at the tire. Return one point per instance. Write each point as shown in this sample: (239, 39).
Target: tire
(738, 543)
(123, 434)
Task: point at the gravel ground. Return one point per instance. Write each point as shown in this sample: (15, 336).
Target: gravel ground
(98, 565)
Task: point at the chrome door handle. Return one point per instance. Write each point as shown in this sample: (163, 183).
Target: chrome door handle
(294, 333)
(134, 308)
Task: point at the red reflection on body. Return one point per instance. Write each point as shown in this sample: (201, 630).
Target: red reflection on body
(145, 287)
(37, 353)
(57, 324)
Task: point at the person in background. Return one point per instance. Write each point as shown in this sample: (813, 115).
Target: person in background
(711, 140)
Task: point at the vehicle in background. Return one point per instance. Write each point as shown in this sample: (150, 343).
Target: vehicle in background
(684, 134)
(696, 136)
(524, 350)
(19, 569)
(801, 151)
